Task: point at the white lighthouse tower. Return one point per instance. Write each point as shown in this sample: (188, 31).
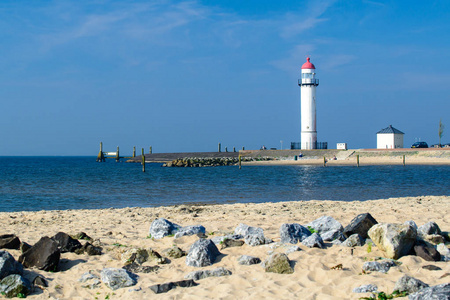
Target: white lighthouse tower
(308, 84)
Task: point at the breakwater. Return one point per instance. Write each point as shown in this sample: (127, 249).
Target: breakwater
(196, 162)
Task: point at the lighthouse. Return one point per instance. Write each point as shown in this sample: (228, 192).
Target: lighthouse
(308, 84)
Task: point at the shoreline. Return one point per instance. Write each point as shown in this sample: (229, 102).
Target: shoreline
(120, 229)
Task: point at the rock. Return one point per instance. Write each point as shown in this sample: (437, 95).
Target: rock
(165, 287)
(395, 240)
(190, 230)
(444, 251)
(9, 241)
(202, 253)
(226, 243)
(411, 223)
(201, 274)
(293, 233)
(117, 278)
(353, 240)
(431, 268)
(332, 235)
(8, 265)
(66, 243)
(314, 240)
(24, 247)
(248, 260)
(324, 224)
(81, 236)
(433, 238)
(429, 228)
(278, 263)
(174, 252)
(409, 284)
(253, 236)
(87, 276)
(219, 239)
(367, 288)
(136, 268)
(137, 255)
(375, 266)
(446, 235)
(44, 255)
(155, 256)
(15, 286)
(91, 250)
(437, 292)
(92, 281)
(293, 249)
(40, 281)
(360, 225)
(427, 253)
(162, 227)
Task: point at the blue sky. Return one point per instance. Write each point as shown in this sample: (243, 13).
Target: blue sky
(186, 75)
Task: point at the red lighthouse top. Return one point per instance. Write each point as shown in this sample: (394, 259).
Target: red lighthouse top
(308, 65)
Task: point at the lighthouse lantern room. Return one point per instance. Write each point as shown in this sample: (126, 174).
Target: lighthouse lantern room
(308, 84)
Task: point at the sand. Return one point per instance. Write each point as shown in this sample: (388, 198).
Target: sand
(313, 277)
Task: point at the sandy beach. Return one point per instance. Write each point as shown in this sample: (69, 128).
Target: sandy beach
(120, 229)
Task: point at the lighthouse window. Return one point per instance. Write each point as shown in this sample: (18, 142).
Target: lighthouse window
(307, 75)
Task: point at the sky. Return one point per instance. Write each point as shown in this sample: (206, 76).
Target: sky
(185, 75)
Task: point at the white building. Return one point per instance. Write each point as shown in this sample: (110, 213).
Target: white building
(308, 84)
(389, 138)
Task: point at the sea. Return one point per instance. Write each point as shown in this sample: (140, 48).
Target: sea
(61, 183)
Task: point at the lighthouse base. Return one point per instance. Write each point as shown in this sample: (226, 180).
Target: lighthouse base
(309, 140)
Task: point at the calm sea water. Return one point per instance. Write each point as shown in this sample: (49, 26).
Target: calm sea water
(47, 183)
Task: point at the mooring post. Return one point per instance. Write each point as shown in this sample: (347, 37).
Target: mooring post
(101, 156)
(220, 147)
(226, 149)
(404, 163)
(240, 162)
(357, 160)
(143, 160)
(243, 148)
(117, 155)
(151, 150)
(134, 151)
(234, 149)
(324, 161)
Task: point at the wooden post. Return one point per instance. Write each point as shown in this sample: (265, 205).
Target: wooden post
(117, 155)
(240, 162)
(243, 148)
(134, 151)
(324, 161)
(404, 163)
(226, 149)
(357, 160)
(234, 149)
(219, 147)
(151, 150)
(143, 160)
(100, 156)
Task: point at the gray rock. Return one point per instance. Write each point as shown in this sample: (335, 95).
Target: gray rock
(278, 263)
(162, 227)
(253, 236)
(87, 276)
(444, 251)
(218, 239)
(165, 287)
(360, 225)
(202, 253)
(431, 268)
(409, 284)
(375, 266)
(332, 235)
(44, 255)
(190, 230)
(395, 240)
(66, 243)
(8, 265)
(136, 268)
(427, 253)
(293, 233)
(91, 281)
(367, 288)
(13, 285)
(40, 281)
(137, 255)
(174, 252)
(429, 228)
(117, 278)
(412, 224)
(437, 292)
(9, 241)
(434, 239)
(324, 224)
(313, 240)
(353, 241)
(293, 249)
(201, 274)
(248, 260)
(227, 243)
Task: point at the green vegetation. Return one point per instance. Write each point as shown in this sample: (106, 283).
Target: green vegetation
(20, 295)
(369, 247)
(384, 296)
(312, 230)
(119, 245)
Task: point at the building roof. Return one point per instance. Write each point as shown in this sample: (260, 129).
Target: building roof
(308, 65)
(390, 129)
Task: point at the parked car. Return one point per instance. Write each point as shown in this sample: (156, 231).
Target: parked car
(419, 145)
